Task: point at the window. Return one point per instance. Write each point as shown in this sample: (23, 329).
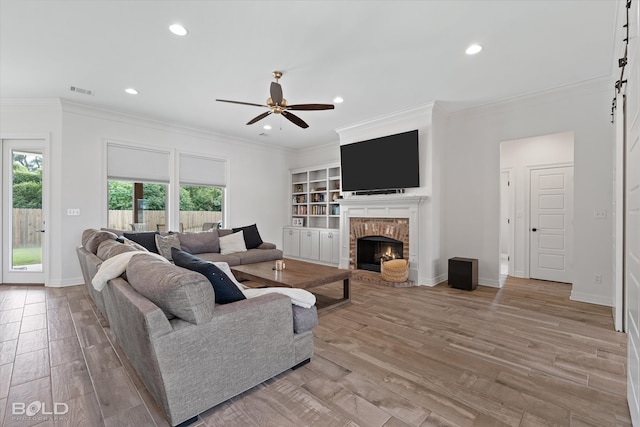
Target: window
(138, 179)
(202, 191)
(143, 185)
(200, 207)
(137, 206)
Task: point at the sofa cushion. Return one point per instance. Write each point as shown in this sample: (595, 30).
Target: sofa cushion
(232, 259)
(232, 243)
(259, 255)
(304, 319)
(165, 243)
(251, 236)
(197, 243)
(91, 239)
(110, 248)
(144, 238)
(224, 232)
(226, 291)
(177, 291)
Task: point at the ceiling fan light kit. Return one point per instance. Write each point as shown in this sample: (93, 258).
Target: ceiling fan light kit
(278, 105)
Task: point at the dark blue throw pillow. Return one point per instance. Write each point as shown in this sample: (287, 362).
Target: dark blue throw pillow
(144, 238)
(226, 291)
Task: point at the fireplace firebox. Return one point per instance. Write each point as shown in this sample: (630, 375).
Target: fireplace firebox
(371, 249)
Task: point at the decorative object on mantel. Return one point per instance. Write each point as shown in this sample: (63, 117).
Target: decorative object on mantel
(278, 105)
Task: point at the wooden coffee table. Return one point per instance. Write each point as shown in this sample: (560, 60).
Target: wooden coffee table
(297, 274)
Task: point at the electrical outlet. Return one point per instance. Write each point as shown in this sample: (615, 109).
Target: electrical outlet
(73, 212)
(598, 279)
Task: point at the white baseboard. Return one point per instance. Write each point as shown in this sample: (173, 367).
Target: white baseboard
(431, 281)
(58, 283)
(493, 283)
(591, 299)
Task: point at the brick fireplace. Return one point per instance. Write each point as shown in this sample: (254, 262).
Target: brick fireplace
(395, 229)
(388, 216)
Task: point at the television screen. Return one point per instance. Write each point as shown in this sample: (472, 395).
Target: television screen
(389, 162)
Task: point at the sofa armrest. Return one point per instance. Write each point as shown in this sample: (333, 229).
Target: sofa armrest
(246, 343)
(266, 245)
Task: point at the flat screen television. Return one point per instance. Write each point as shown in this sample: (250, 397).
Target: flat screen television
(386, 163)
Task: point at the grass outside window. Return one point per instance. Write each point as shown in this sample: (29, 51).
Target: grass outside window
(27, 256)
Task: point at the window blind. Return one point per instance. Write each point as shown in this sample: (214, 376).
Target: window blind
(200, 170)
(132, 163)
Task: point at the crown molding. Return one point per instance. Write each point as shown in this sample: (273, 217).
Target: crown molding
(30, 102)
(77, 108)
(543, 97)
(412, 118)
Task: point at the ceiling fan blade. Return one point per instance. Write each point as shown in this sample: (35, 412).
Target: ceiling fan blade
(276, 93)
(309, 107)
(258, 118)
(242, 103)
(295, 119)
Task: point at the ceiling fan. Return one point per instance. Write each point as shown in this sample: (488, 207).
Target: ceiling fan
(278, 105)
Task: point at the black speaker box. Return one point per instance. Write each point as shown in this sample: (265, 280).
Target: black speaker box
(463, 273)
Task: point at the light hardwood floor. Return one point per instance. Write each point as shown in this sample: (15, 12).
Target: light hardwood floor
(523, 355)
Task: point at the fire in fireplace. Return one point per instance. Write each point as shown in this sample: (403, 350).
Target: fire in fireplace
(372, 249)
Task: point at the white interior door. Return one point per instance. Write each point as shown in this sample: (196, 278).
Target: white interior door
(632, 251)
(23, 212)
(551, 220)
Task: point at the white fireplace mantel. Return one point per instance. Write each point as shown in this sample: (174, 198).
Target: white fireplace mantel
(383, 206)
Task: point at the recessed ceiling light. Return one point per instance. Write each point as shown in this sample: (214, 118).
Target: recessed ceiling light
(338, 100)
(473, 49)
(178, 30)
(267, 127)
(131, 91)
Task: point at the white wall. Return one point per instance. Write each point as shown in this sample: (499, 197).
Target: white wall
(314, 156)
(471, 178)
(517, 155)
(257, 186)
(36, 117)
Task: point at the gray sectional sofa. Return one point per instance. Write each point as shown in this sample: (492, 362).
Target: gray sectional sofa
(190, 352)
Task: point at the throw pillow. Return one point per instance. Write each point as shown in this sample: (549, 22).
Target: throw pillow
(227, 270)
(144, 238)
(165, 243)
(176, 291)
(131, 243)
(199, 243)
(252, 238)
(91, 239)
(226, 291)
(232, 243)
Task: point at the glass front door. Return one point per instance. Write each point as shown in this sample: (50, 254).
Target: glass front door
(23, 214)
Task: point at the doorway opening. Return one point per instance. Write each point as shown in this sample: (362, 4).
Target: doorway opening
(536, 208)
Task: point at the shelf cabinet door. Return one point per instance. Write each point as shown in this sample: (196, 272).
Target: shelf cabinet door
(291, 242)
(330, 247)
(309, 244)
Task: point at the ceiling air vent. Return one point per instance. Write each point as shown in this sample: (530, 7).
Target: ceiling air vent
(77, 89)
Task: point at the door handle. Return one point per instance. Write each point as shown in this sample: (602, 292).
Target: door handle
(534, 229)
(41, 231)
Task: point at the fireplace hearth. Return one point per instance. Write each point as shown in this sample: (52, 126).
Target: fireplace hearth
(371, 250)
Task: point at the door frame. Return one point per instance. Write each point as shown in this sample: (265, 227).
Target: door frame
(527, 211)
(511, 208)
(44, 142)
